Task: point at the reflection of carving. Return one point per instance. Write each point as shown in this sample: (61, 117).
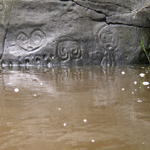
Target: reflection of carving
(1, 6)
(69, 49)
(32, 42)
(108, 39)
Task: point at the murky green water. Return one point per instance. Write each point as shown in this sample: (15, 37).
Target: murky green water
(90, 108)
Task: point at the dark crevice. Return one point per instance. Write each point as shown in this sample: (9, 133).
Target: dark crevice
(130, 25)
(111, 4)
(105, 20)
(65, 0)
(98, 19)
(102, 3)
(89, 8)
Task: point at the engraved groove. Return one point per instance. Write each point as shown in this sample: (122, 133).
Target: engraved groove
(32, 42)
(108, 38)
(68, 49)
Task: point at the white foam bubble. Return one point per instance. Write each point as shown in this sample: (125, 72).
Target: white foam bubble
(93, 141)
(123, 73)
(85, 120)
(145, 83)
(139, 101)
(65, 124)
(16, 90)
(142, 74)
(123, 89)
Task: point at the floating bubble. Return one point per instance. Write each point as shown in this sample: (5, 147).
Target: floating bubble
(85, 120)
(145, 83)
(92, 141)
(16, 90)
(123, 73)
(142, 75)
(59, 109)
(123, 89)
(65, 124)
(139, 101)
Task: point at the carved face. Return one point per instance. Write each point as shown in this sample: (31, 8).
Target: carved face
(108, 38)
(31, 42)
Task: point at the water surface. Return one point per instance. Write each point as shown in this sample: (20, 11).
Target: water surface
(80, 108)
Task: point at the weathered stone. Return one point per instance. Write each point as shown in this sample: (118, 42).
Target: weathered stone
(5, 6)
(75, 32)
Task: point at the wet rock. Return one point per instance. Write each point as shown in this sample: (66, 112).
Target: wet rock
(73, 32)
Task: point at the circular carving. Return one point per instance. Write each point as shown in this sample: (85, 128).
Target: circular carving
(32, 42)
(37, 38)
(22, 40)
(108, 38)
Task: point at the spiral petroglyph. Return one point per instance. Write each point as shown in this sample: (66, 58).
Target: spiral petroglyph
(69, 49)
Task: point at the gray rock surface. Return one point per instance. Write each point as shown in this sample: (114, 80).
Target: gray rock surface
(73, 32)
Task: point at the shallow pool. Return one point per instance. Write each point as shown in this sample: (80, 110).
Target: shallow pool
(79, 108)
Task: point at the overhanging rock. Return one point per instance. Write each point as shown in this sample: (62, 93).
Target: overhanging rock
(75, 32)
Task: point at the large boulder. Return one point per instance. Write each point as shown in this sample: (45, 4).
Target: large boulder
(73, 32)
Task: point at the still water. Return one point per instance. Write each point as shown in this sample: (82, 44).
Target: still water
(62, 108)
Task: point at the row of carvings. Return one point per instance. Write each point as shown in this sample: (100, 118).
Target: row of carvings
(68, 48)
(49, 60)
(107, 37)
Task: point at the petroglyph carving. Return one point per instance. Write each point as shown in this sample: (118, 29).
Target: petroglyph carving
(32, 42)
(69, 49)
(108, 59)
(108, 39)
(74, 32)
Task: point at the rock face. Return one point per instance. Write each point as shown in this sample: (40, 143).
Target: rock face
(73, 32)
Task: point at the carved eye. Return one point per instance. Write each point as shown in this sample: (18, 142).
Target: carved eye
(37, 38)
(22, 38)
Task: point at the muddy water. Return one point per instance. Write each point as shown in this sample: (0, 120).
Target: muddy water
(90, 108)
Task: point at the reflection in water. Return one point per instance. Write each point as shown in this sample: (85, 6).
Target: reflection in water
(90, 108)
